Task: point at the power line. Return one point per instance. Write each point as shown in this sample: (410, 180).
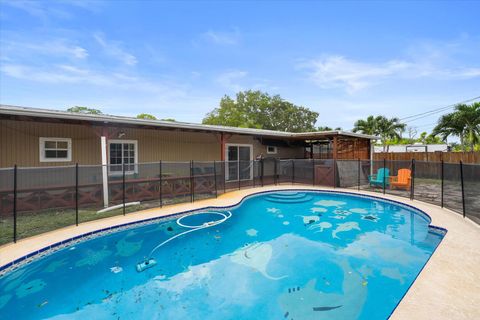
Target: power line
(434, 111)
(425, 125)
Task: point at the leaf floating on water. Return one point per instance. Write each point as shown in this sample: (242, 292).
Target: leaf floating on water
(43, 304)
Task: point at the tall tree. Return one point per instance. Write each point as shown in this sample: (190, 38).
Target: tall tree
(256, 109)
(381, 126)
(469, 117)
(326, 128)
(464, 123)
(80, 109)
(146, 116)
(368, 126)
(449, 125)
(389, 129)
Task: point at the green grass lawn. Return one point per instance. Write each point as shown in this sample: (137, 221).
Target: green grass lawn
(33, 223)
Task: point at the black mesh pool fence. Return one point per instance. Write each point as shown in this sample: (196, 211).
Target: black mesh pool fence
(37, 200)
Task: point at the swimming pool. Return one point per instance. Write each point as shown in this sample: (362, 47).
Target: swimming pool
(280, 255)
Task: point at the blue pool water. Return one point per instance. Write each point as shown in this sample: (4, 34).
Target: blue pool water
(282, 255)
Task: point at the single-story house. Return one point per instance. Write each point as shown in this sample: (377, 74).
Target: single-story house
(156, 157)
(31, 137)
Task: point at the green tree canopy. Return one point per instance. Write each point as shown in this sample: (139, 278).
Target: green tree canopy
(368, 126)
(79, 109)
(169, 119)
(256, 109)
(386, 129)
(146, 116)
(326, 128)
(464, 123)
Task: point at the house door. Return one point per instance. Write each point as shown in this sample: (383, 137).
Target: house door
(239, 162)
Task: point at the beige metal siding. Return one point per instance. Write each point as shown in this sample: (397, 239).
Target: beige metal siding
(260, 149)
(155, 145)
(19, 143)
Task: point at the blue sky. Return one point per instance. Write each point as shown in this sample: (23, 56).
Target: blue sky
(345, 60)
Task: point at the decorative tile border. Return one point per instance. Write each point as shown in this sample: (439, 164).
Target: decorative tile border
(11, 266)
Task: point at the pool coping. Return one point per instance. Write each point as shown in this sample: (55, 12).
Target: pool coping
(28, 249)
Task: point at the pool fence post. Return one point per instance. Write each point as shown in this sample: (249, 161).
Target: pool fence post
(358, 177)
(252, 170)
(76, 194)
(334, 173)
(442, 175)
(215, 177)
(275, 174)
(224, 170)
(463, 189)
(313, 171)
(15, 203)
(262, 170)
(412, 184)
(238, 172)
(192, 187)
(123, 184)
(293, 171)
(160, 186)
(384, 175)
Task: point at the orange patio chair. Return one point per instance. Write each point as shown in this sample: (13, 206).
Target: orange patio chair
(402, 180)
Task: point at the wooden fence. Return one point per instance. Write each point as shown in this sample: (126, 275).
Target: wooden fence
(453, 157)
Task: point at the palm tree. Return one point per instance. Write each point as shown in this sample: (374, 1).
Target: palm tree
(449, 125)
(464, 123)
(381, 126)
(469, 117)
(366, 126)
(389, 129)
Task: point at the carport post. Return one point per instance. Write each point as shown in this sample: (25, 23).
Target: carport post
(123, 187)
(103, 143)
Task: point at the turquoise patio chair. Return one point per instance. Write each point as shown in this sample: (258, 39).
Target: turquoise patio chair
(377, 180)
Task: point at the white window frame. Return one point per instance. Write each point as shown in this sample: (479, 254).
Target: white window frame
(135, 149)
(272, 152)
(41, 143)
(227, 161)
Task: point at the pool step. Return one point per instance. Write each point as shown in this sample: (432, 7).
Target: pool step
(297, 195)
(289, 198)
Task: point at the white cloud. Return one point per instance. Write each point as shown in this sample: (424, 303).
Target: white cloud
(338, 71)
(231, 79)
(222, 37)
(68, 74)
(114, 49)
(48, 9)
(56, 47)
(335, 71)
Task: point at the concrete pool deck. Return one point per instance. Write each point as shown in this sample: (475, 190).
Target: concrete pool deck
(447, 288)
